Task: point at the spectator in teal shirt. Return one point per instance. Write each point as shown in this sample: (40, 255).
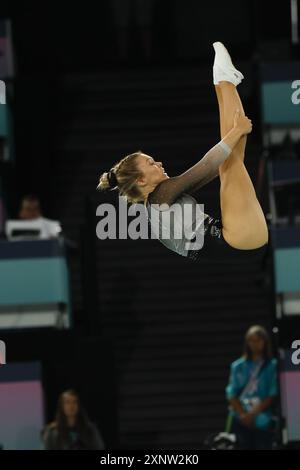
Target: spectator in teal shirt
(251, 391)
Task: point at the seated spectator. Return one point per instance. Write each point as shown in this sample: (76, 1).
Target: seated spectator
(30, 210)
(71, 430)
(251, 392)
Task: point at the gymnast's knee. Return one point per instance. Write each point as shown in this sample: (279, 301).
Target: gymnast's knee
(248, 241)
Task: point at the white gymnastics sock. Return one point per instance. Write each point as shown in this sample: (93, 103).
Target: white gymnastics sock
(223, 69)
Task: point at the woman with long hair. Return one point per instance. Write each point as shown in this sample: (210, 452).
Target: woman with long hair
(242, 228)
(72, 429)
(252, 390)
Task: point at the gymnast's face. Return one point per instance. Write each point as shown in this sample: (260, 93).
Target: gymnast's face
(152, 171)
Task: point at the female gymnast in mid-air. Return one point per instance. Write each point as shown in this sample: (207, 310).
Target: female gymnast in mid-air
(242, 228)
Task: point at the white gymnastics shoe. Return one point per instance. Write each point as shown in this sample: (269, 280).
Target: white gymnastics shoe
(223, 69)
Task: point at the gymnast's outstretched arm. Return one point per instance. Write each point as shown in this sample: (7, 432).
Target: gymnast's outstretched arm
(203, 171)
(202, 183)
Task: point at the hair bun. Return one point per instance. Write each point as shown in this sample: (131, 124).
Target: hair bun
(112, 179)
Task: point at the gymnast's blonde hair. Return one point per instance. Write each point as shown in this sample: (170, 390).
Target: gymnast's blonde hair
(123, 176)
